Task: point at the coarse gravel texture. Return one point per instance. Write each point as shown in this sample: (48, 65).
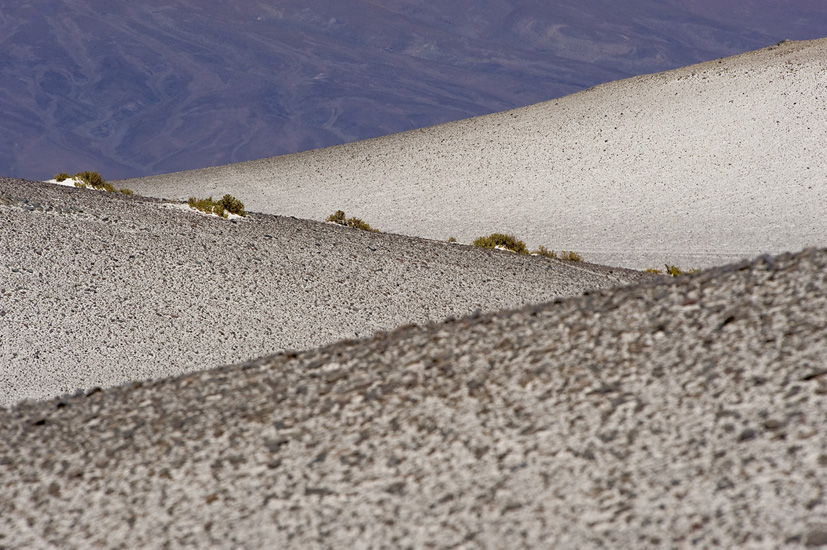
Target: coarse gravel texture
(98, 289)
(700, 166)
(674, 414)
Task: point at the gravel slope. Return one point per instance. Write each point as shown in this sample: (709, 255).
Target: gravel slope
(699, 166)
(689, 413)
(97, 289)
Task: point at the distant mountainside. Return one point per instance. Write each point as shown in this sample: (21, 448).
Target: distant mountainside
(138, 89)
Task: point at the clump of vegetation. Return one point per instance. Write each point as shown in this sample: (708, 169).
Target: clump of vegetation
(675, 271)
(233, 205)
(452, 239)
(91, 179)
(543, 251)
(339, 218)
(224, 207)
(570, 256)
(672, 270)
(509, 242)
(94, 180)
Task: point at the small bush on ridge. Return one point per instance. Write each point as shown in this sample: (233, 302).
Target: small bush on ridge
(543, 251)
(339, 218)
(227, 204)
(508, 242)
(570, 256)
(92, 179)
(232, 205)
(675, 271)
(87, 179)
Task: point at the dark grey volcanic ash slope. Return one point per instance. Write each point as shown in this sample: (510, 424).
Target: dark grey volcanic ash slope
(683, 414)
(132, 90)
(98, 289)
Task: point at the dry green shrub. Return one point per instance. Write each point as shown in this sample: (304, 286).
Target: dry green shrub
(340, 218)
(570, 256)
(232, 205)
(227, 205)
(452, 239)
(509, 242)
(675, 271)
(87, 179)
(543, 251)
(92, 179)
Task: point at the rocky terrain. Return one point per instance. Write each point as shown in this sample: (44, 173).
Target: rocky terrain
(98, 289)
(275, 381)
(688, 413)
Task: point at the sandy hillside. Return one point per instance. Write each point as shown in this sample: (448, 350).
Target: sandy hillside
(98, 289)
(697, 166)
(690, 413)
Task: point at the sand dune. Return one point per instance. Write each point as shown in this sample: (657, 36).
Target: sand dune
(682, 414)
(698, 166)
(98, 290)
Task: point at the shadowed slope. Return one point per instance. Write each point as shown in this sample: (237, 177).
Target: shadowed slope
(97, 289)
(697, 166)
(667, 415)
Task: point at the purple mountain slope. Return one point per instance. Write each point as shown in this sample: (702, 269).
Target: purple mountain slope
(133, 90)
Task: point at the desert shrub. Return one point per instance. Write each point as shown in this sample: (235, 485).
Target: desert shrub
(340, 218)
(337, 217)
(108, 187)
(206, 206)
(675, 271)
(570, 256)
(91, 179)
(508, 242)
(63, 176)
(232, 205)
(219, 208)
(655, 271)
(126, 191)
(543, 251)
(80, 184)
(452, 239)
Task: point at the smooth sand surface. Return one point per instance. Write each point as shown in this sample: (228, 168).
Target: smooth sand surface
(696, 167)
(685, 414)
(99, 289)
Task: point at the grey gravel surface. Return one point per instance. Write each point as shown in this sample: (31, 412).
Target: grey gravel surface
(678, 414)
(98, 289)
(700, 166)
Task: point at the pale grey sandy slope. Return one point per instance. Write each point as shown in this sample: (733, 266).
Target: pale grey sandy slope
(696, 167)
(99, 289)
(684, 414)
